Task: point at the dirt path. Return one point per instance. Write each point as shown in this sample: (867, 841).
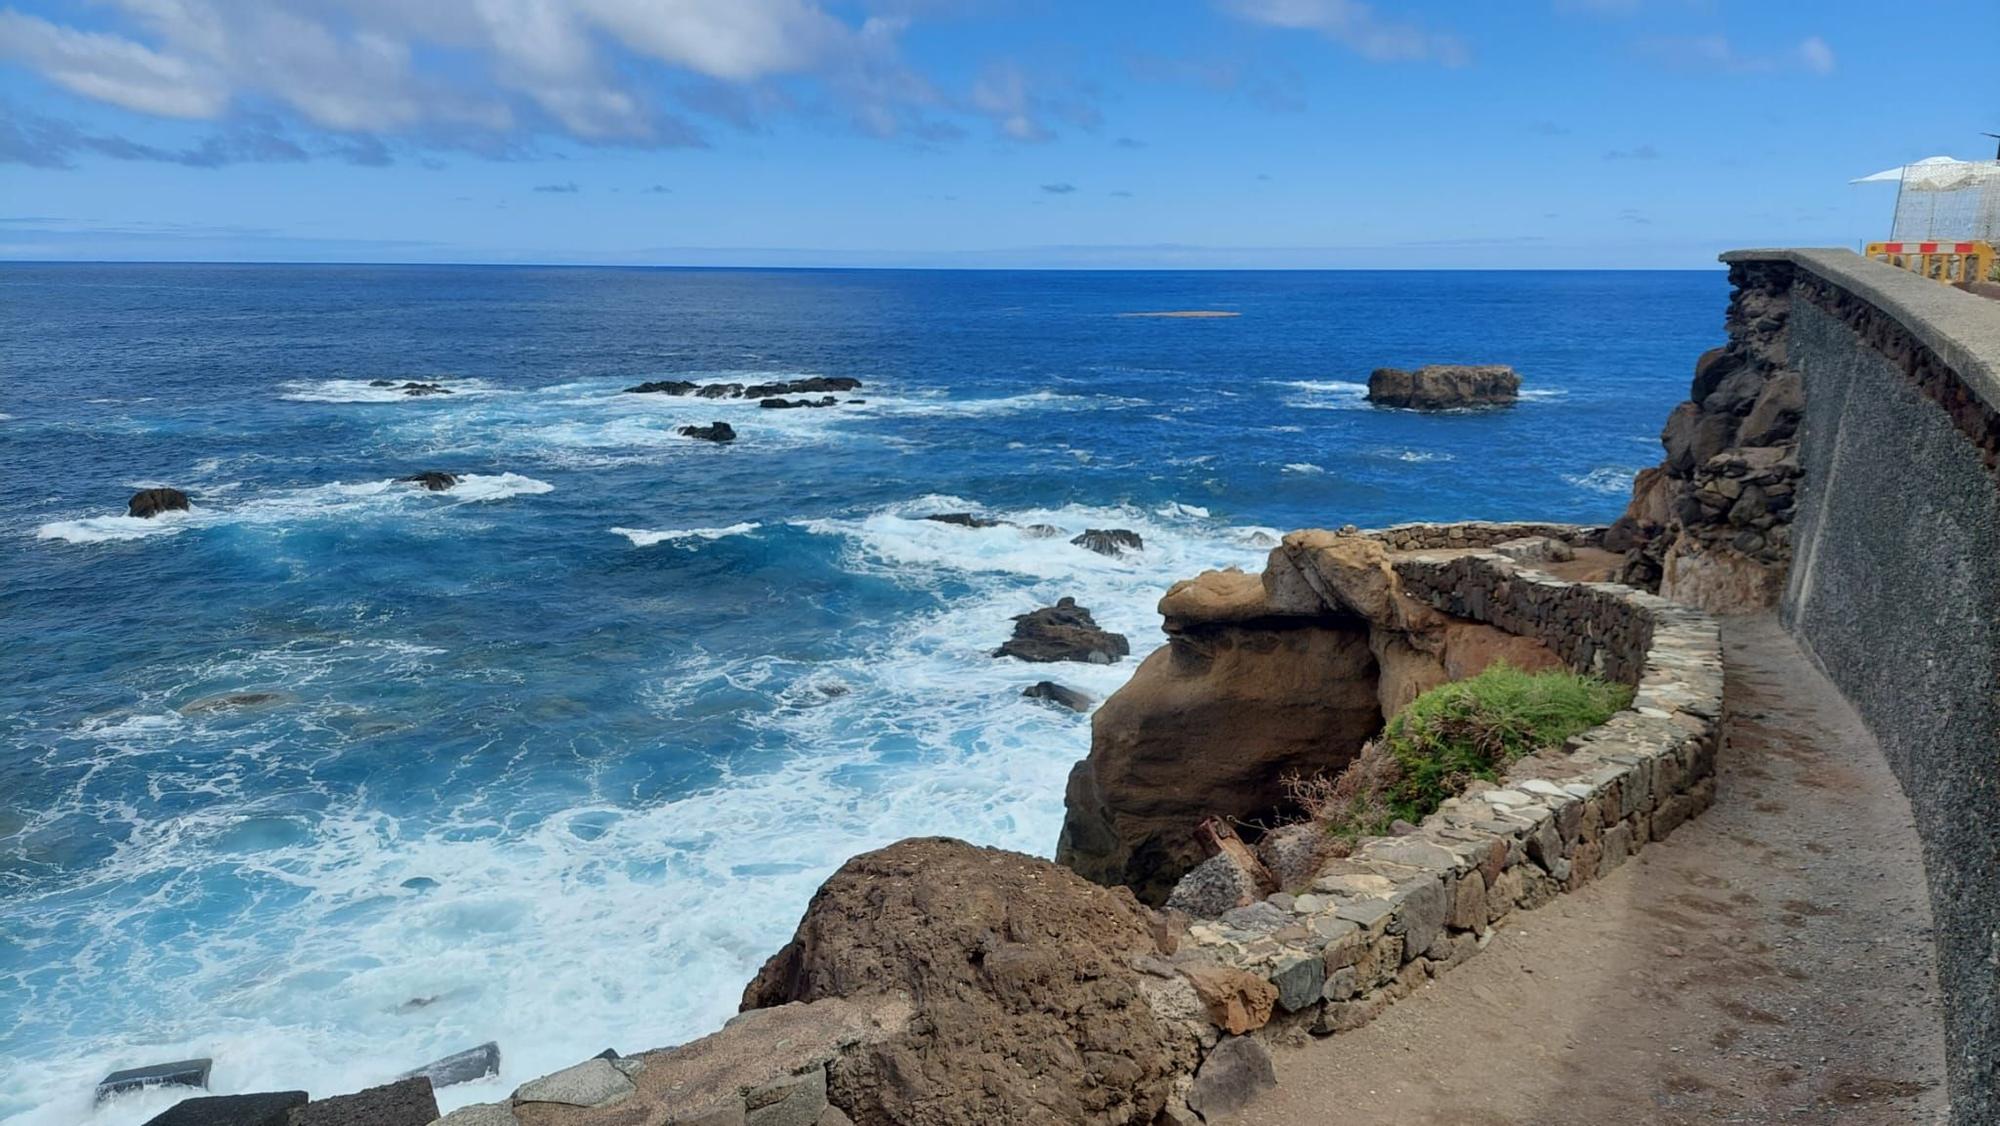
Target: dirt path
(1770, 962)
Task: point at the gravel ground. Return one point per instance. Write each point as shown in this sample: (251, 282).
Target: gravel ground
(1769, 962)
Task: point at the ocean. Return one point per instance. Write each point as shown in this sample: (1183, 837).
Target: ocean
(557, 757)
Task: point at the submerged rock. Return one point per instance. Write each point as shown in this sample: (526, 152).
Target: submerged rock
(1110, 541)
(713, 432)
(148, 503)
(1058, 695)
(431, 479)
(793, 404)
(1063, 632)
(1444, 386)
(1028, 1007)
(425, 389)
(234, 701)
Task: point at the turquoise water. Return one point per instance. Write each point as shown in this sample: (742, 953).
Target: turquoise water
(562, 753)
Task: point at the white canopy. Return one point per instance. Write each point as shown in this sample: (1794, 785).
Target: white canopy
(1930, 172)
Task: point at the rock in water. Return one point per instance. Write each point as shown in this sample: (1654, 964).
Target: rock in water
(1058, 695)
(965, 520)
(1444, 386)
(1028, 1008)
(431, 479)
(181, 1073)
(425, 389)
(1063, 632)
(792, 404)
(148, 503)
(1110, 541)
(459, 1067)
(713, 432)
(662, 387)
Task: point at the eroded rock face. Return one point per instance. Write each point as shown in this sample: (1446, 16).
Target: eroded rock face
(148, 503)
(1444, 386)
(1711, 524)
(1208, 725)
(1027, 1008)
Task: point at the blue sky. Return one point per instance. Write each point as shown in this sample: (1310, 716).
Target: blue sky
(1210, 133)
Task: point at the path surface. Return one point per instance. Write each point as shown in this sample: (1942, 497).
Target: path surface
(1769, 962)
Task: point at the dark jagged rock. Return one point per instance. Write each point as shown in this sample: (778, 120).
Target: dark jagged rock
(1028, 1007)
(1041, 531)
(460, 1067)
(812, 385)
(662, 387)
(148, 503)
(270, 1108)
(406, 1102)
(1058, 695)
(1444, 386)
(965, 520)
(425, 389)
(793, 404)
(1110, 541)
(713, 432)
(432, 479)
(180, 1073)
(721, 391)
(381, 383)
(1063, 632)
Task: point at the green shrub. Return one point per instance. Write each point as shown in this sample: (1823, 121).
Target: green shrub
(1446, 738)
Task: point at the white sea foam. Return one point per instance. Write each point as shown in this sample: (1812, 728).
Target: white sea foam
(1325, 394)
(1612, 479)
(641, 537)
(348, 500)
(364, 390)
(1414, 456)
(1304, 467)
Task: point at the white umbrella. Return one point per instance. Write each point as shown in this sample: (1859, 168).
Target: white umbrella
(1930, 167)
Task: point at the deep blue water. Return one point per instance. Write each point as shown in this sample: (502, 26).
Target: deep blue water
(626, 697)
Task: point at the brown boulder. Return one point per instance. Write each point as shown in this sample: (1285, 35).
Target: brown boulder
(1027, 1009)
(1237, 1001)
(1444, 386)
(1208, 726)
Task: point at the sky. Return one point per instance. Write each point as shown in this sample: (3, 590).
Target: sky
(970, 133)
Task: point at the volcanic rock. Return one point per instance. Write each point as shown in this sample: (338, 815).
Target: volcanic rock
(431, 479)
(793, 404)
(406, 1102)
(1110, 541)
(965, 520)
(270, 1108)
(662, 387)
(713, 432)
(148, 503)
(1444, 386)
(1058, 695)
(1028, 1009)
(425, 389)
(1063, 632)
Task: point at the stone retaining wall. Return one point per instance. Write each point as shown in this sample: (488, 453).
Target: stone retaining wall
(1400, 910)
(1895, 585)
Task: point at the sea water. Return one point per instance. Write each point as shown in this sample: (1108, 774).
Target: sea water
(330, 776)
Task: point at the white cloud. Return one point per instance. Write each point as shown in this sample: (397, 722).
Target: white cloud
(1817, 55)
(111, 69)
(1356, 26)
(587, 68)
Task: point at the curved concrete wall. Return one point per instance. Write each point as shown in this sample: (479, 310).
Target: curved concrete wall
(1895, 586)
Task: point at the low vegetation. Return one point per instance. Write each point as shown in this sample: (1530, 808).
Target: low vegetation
(1449, 737)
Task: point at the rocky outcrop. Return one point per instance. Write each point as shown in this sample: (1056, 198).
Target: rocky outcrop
(1287, 672)
(417, 390)
(817, 384)
(713, 432)
(1110, 541)
(1711, 524)
(1436, 387)
(434, 480)
(1027, 1005)
(964, 520)
(1063, 632)
(148, 503)
(793, 404)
